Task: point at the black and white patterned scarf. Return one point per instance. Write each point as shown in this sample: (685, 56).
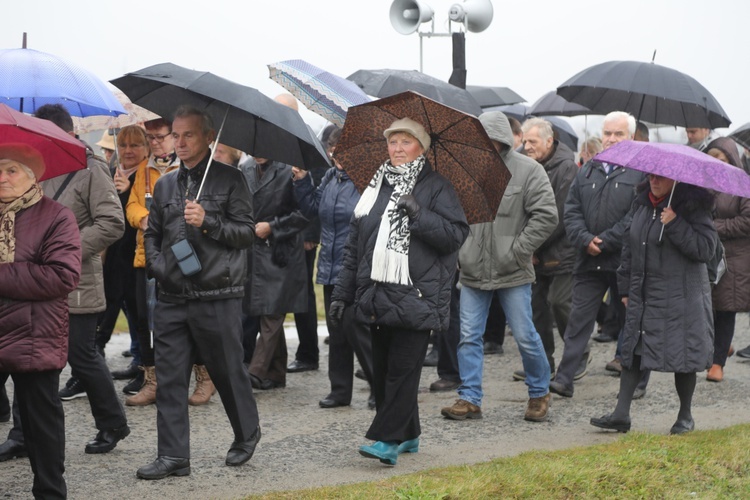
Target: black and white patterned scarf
(390, 259)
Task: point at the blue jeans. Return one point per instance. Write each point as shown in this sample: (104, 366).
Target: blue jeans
(516, 303)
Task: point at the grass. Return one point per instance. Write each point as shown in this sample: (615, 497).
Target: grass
(703, 464)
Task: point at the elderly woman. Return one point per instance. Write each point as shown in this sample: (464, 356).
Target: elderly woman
(663, 281)
(398, 268)
(732, 294)
(40, 264)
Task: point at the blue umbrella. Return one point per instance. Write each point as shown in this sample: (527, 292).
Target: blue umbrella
(30, 79)
(323, 93)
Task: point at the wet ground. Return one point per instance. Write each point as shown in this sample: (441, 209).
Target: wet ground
(305, 446)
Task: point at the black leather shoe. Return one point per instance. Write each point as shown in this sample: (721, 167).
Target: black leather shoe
(603, 337)
(239, 453)
(682, 426)
(493, 348)
(128, 373)
(255, 381)
(106, 440)
(560, 390)
(12, 449)
(360, 374)
(607, 422)
(268, 384)
(297, 366)
(443, 385)
(163, 467)
(329, 402)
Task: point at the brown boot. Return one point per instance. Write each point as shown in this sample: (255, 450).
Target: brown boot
(204, 388)
(147, 395)
(715, 373)
(537, 408)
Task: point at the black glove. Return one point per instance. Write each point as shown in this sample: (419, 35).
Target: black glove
(409, 204)
(336, 312)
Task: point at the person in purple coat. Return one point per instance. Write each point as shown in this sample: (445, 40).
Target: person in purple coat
(40, 264)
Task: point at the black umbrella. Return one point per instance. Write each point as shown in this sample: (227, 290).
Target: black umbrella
(564, 132)
(648, 91)
(551, 104)
(247, 119)
(742, 136)
(493, 96)
(388, 82)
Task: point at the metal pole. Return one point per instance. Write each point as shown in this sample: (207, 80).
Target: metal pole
(669, 204)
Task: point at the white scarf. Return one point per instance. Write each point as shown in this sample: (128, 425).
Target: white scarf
(390, 258)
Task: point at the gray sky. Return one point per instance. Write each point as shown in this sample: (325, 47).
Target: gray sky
(531, 46)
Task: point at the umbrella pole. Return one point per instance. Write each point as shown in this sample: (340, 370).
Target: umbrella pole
(669, 204)
(211, 156)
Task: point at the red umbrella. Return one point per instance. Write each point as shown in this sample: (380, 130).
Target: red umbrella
(62, 153)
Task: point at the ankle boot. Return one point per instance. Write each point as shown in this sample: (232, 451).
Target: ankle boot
(204, 388)
(147, 395)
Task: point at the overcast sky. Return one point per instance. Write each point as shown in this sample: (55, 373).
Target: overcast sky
(530, 46)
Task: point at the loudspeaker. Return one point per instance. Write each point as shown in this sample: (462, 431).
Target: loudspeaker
(476, 14)
(407, 15)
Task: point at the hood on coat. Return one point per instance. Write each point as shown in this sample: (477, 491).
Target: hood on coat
(497, 126)
(687, 198)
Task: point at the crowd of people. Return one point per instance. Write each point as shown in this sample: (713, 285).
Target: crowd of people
(206, 280)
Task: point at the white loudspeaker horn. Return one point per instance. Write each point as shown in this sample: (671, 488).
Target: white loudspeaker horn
(476, 14)
(407, 15)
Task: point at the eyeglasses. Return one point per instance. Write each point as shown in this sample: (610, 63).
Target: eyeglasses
(157, 138)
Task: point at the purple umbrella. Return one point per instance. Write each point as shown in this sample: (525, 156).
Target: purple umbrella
(679, 162)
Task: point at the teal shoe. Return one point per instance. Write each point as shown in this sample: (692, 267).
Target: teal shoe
(410, 446)
(386, 452)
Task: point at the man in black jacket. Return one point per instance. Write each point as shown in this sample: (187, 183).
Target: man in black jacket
(596, 215)
(199, 309)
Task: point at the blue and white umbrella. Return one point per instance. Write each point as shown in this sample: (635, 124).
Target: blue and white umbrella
(321, 92)
(30, 79)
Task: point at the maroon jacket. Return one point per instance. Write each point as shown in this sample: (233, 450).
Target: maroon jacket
(34, 289)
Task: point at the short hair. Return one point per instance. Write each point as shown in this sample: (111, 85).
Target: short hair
(184, 111)
(515, 125)
(158, 123)
(134, 133)
(333, 138)
(57, 114)
(619, 115)
(641, 129)
(543, 127)
(592, 145)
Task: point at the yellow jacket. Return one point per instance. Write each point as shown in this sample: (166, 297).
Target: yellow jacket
(136, 210)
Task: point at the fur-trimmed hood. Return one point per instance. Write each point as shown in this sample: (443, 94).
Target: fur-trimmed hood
(687, 198)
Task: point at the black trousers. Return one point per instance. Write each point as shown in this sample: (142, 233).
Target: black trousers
(397, 358)
(214, 328)
(141, 323)
(347, 339)
(43, 421)
(307, 322)
(723, 335)
(588, 290)
(551, 298)
(91, 370)
(447, 340)
(494, 331)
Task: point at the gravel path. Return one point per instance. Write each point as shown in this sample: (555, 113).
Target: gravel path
(305, 446)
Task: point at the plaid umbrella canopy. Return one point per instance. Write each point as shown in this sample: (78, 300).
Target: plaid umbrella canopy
(461, 151)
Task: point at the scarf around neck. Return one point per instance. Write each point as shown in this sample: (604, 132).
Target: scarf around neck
(390, 259)
(8, 213)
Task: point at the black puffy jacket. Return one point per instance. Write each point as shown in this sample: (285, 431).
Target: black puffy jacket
(228, 229)
(436, 236)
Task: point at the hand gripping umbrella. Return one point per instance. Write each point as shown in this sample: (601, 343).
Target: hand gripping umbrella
(321, 92)
(249, 121)
(461, 150)
(30, 79)
(62, 153)
(388, 82)
(678, 162)
(648, 91)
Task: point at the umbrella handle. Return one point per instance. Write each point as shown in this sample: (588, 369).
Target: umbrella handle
(669, 204)
(211, 156)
